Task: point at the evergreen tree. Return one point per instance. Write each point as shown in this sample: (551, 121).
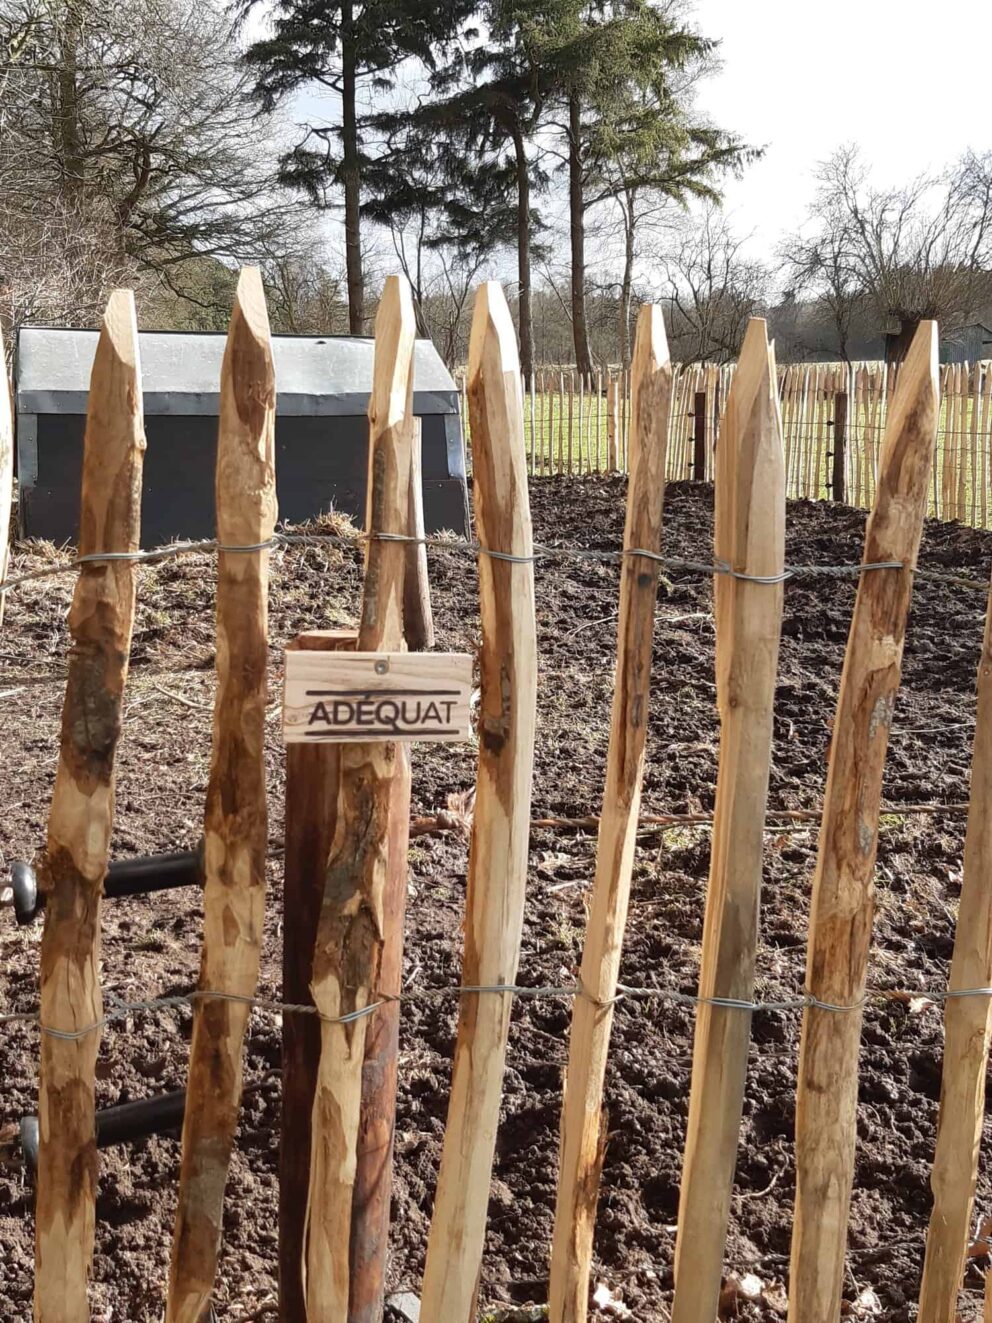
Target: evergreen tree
(624, 71)
(345, 47)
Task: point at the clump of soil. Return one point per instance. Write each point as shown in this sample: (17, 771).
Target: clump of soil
(151, 945)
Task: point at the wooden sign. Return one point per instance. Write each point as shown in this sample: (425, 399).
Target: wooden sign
(364, 696)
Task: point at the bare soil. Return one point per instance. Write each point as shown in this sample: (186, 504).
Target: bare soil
(151, 945)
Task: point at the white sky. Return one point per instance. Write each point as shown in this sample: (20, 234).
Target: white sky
(907, 81)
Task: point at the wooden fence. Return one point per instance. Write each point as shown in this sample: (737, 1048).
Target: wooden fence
(833, 419)
(348, 810)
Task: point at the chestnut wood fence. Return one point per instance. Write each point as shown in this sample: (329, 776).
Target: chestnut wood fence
(833, 420)
(348, 819)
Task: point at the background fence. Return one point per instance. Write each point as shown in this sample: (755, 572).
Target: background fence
(833, 417)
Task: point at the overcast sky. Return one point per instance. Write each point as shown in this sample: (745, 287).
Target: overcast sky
(908, 81)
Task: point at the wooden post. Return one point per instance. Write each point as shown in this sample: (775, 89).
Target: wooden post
(699, 436)
(74, 862)
(312, 782)
(583, 1137)
(837, 487)
(497, 873)
(843, 899)
(6, 471)
(235, 814)
(348, 956)
(749, 537)
(612, 426)
(418, 618)
(966, 1034)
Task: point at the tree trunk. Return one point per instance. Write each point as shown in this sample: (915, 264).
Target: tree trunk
(351, 174)
(627, 282)
(576, 213)
(69, 140)
(897, 343)
(525, 311)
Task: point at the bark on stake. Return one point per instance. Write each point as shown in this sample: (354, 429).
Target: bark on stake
(73, 865)
(312, 784)
(497, 874)
(583, 1128)
(966, 1034)
(353, 919)
(843, 893)
(235, 819)
(418, 618)
(6, 470)
(750, 537)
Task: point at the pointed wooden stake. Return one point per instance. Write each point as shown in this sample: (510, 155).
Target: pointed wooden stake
(750, 538)
(583, 1137)
(418, 618)
(6, 470)
(73, 865)
(966, 1034)
(235, 822)
(349, 948)
(843, 892)
(497, 873)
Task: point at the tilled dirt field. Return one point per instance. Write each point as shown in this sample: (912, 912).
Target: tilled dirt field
(151, 946)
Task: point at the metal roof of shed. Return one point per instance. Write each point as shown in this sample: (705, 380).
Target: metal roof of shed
(180, 372)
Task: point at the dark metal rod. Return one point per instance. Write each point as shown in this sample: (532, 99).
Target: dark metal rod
(125, 877)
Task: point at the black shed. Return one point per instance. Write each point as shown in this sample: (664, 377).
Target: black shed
(322, 386)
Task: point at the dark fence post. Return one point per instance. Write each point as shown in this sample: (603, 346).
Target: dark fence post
(840, 445)
(699, 437)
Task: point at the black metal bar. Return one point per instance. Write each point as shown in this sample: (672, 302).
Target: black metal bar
(118, 1125)
(125, 877)
(127, 1121)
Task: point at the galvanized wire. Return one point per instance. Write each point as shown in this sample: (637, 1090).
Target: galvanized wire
(625, 992)
(474, 549)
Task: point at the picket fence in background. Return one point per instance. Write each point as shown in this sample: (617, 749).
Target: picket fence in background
(572, 428)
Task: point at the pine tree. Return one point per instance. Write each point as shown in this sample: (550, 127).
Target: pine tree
(623, 70)
(345, 47)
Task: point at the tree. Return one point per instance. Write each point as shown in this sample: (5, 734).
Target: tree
(346, 47)
(914, 252)
(487, 105)
(626, 70)
(130, 127)
(713, 290)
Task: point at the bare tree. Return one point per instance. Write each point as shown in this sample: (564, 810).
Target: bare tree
(911, 253)
(713, 288)
(135, 120)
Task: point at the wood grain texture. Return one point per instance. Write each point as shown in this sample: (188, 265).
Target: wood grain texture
(967, 1021)
(583, 1125)
(418, 616)
(497, 873)
(312, 786)
(843, 892)
(235, 818)
(74, 862)
(353, 920)
(344, 698)
(6, 469)
(749, 537)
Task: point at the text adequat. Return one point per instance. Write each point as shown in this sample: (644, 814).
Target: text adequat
(353, 696)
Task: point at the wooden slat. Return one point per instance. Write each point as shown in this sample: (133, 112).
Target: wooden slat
(418, 617)
(583, 1136)
(501, 827)
(843, 900)
(235, 816)
(966, 1034)
(750, 537)
(353, 923)
(74, 862)
(6, 471)
(312, 784)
